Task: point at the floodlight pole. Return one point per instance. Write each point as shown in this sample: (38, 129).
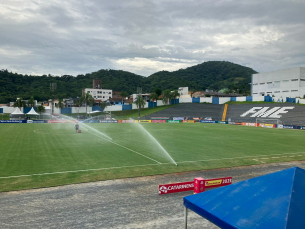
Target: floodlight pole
(185, 217)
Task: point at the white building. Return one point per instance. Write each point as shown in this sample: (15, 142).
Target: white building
(184, 92)
(99, 94)
(283, 83)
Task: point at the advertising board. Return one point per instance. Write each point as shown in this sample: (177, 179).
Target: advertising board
(207, 121)
(144, 121)
(62, 121)
(217, 182)
(160, 118)
(127, 121)
(12, 121)
(159, 121)
(106, 121)
(176, 187)
(289, 127)
(188, 121)
(222, 122)
(39, 121)
(178, 118)
(266, 125)
(174, 121)
(249, 124)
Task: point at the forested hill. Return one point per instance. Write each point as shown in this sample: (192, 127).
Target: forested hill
(212, 75)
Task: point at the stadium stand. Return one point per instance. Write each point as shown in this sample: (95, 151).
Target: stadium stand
(295, 116)
(190, 110)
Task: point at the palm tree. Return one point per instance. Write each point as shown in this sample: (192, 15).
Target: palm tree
(40, 109)
(19, 103)
(77, 103)
(139, 101)
(103, 105)
(31, 102)
(166, 96)
(175, 94)
(124, 94)
(154, 96)
(87, 99)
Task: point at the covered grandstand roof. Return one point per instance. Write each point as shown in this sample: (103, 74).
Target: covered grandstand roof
(275, 200)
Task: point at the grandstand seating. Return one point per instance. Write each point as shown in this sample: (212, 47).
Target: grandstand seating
(292, 117)
(194, 110)
(190, 110)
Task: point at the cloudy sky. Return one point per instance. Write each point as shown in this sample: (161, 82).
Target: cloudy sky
(145, 36)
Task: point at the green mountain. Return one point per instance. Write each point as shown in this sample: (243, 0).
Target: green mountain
(212, 75)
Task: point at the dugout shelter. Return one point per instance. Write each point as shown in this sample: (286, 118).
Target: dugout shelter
(274, 200)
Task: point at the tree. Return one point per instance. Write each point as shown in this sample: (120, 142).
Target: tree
(175, 94)
(158, 91)
(87, 99)
(77, 103)
(166, 96)
(60, 104)
(19, 103)
(154, 96)
(31, 102)
(124, 94)
(40, 109)
(103, 105)
(139, 101)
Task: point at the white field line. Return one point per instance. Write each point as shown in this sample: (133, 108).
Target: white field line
(133, 166)
(111, 141)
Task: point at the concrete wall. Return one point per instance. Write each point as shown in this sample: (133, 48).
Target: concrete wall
(257, 98)
(159, 103)
(114, 108)
(185, 100)
(223, 100)
(206, 100)
(241, 99)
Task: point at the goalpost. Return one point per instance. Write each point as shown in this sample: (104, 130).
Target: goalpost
(267, 121)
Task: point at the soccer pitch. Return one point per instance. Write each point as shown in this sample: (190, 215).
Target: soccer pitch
(44, 155)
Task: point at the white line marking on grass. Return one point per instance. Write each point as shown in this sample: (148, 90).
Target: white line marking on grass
(76, 171)
(275, 157)
(133, 166)
(126, 148)
(265, 158)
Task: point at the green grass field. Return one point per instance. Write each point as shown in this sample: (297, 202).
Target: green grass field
(44, 155)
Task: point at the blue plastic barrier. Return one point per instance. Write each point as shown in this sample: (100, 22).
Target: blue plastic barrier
(268, 98)
(126, 107)
(215, 100)
(152, 104)
(249, 98)
(67, 110)
(1, 110)
(233, 99)
(290, 100)
(195, 100)
(96, 108)
(174, 101)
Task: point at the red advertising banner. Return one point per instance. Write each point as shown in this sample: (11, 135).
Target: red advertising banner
(176, 187)
(249, 124)
(267, 125)
(158, 121)
(218, 182)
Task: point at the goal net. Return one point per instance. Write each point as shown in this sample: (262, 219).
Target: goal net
(267, 121)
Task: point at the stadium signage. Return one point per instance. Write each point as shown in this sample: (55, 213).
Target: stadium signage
(108, 121)
(265, 112)
(176, 187)
(159, 121)
(173, 121)
(207, 121)
(249, 124)
(12, 121)
(143, 121)
(160, 118)
(126, 121)
(62, 121)
(222, 122)
(198, 185)
(289, 127)
(188, 121)
(218, 182)
(266, 125)
(178, 118)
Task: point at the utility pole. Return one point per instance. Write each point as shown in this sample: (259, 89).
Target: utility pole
(53, 87)
(139, 91)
